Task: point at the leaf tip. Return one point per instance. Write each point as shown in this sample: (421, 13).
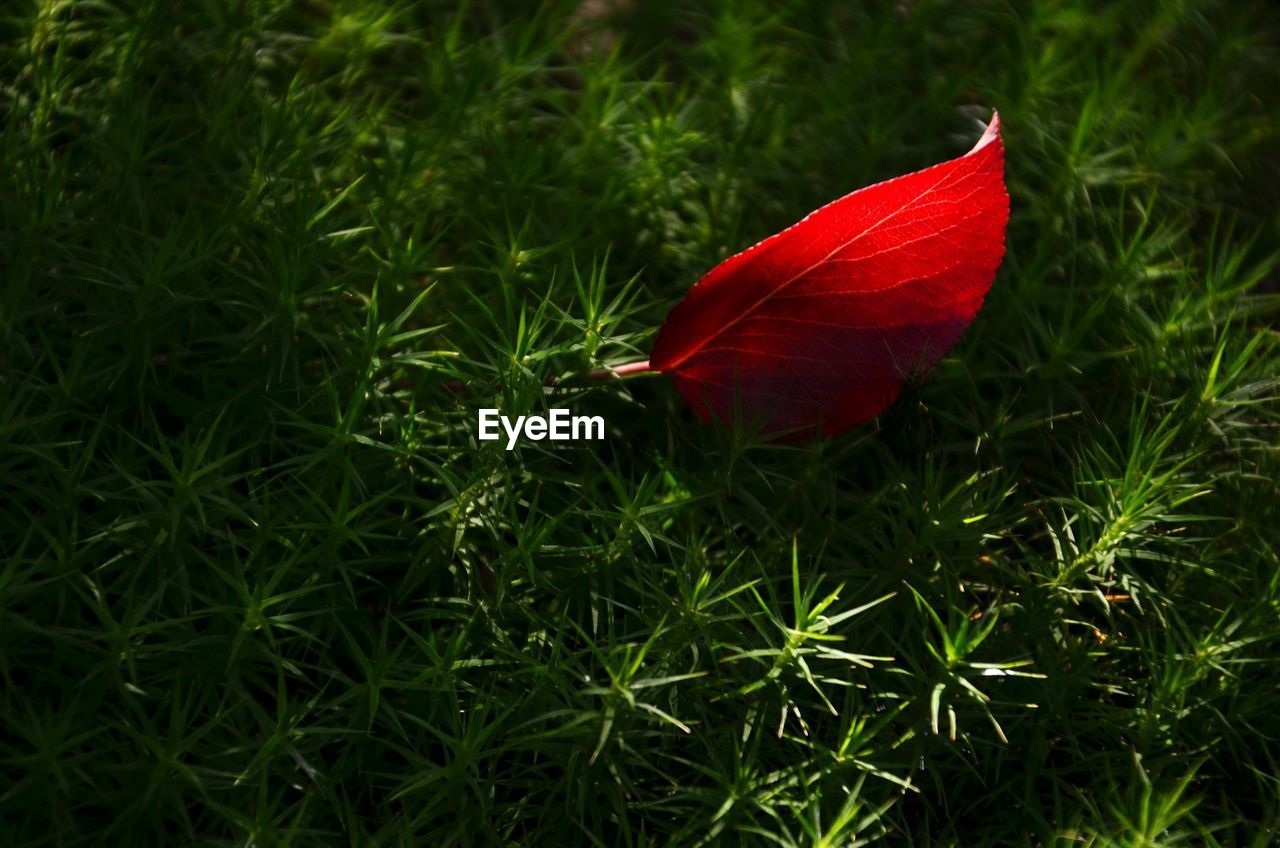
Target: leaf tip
(992, 132)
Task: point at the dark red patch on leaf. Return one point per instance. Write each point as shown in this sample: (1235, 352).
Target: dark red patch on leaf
(822, 323)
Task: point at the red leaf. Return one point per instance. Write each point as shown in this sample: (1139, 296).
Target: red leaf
(822, 323)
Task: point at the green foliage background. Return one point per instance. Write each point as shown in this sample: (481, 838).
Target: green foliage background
(261, 586)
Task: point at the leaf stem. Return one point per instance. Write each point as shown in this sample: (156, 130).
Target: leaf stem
(627, 370)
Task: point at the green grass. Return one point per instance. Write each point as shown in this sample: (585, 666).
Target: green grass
(262, 262)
